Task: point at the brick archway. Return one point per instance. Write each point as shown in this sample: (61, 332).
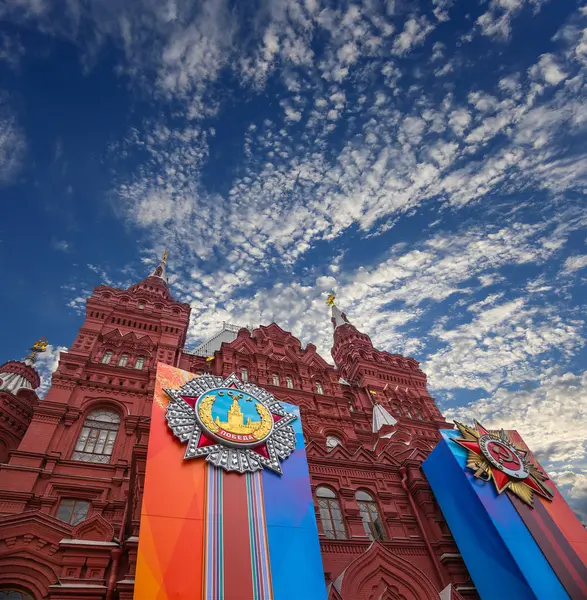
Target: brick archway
(25, 572)
(379, 574)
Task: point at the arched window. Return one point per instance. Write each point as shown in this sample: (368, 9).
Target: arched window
(123, 360)
(140, 363)
(319, 388)
(275, 379)
(107, 357)
(244, 374)
(370, 516)
(141, 305)
(331, 442)
(289, 381)
(12, 594)
(97, 437)
(350, 402)
(330, 514)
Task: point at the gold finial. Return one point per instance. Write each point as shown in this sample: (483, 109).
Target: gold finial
(330, 299)
(164, 261)
(39, 346)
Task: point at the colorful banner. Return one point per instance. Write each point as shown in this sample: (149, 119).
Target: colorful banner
(515, 544)
(217, 535)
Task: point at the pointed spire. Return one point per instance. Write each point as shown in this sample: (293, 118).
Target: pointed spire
(338, 317)
(160, 269)
(156, 281)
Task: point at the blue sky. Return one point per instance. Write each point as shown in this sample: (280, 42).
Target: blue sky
(425, 160)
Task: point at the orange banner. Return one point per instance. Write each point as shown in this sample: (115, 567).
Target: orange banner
(172, 514)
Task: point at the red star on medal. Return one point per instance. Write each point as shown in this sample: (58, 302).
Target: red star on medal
(493, 456)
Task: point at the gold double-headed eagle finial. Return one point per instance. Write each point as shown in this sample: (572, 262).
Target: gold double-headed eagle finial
(330, 299)
(164, 261)
(39, 346)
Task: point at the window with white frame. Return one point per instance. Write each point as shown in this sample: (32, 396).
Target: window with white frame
(123, 360)
(73, 511)
(275, 379)
(372, 522)
(244, 374)
(330, 514)
(97, 437)
(289, 381)
(140, 363)
(107, 357)
(319, 388)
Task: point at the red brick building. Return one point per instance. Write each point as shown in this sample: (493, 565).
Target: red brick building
(72, 464)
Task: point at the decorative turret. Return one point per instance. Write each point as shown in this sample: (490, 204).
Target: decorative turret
(156, 282)
(18, 382)
(17, 375)
(396, 379)
(348, 342)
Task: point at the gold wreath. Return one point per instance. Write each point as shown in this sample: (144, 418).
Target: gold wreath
(205, 412)
(266, 422)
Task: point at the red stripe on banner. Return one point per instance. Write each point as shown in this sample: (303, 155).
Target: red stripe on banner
(567, 522)
(560, 512)
(238, 584)
(557, 551)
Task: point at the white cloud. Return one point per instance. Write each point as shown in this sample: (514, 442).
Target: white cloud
(414, 33)
(547, 69)
(12, 143)
(497, 20)
(11, 50)
(291, 114)
(46, 364)
(575, 263)
(60, 245)
(441, 8)
(500, 346)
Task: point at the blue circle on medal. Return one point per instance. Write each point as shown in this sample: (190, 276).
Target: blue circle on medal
(234, 417)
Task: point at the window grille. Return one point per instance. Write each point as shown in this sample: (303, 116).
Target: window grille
(73, 511)
(330, 514)
(97, 437)
(370, 516)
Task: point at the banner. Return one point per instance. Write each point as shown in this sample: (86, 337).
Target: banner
(516, 534)
(227, 509)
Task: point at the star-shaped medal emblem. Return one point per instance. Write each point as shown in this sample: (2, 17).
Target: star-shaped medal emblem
(236, 426)
(495, 457)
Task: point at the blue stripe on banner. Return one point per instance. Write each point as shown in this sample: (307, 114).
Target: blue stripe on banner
(294, 548)
(261, 555)
(500, 553)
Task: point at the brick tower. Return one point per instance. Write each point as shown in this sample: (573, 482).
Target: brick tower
(64, 491)
(70, 494)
